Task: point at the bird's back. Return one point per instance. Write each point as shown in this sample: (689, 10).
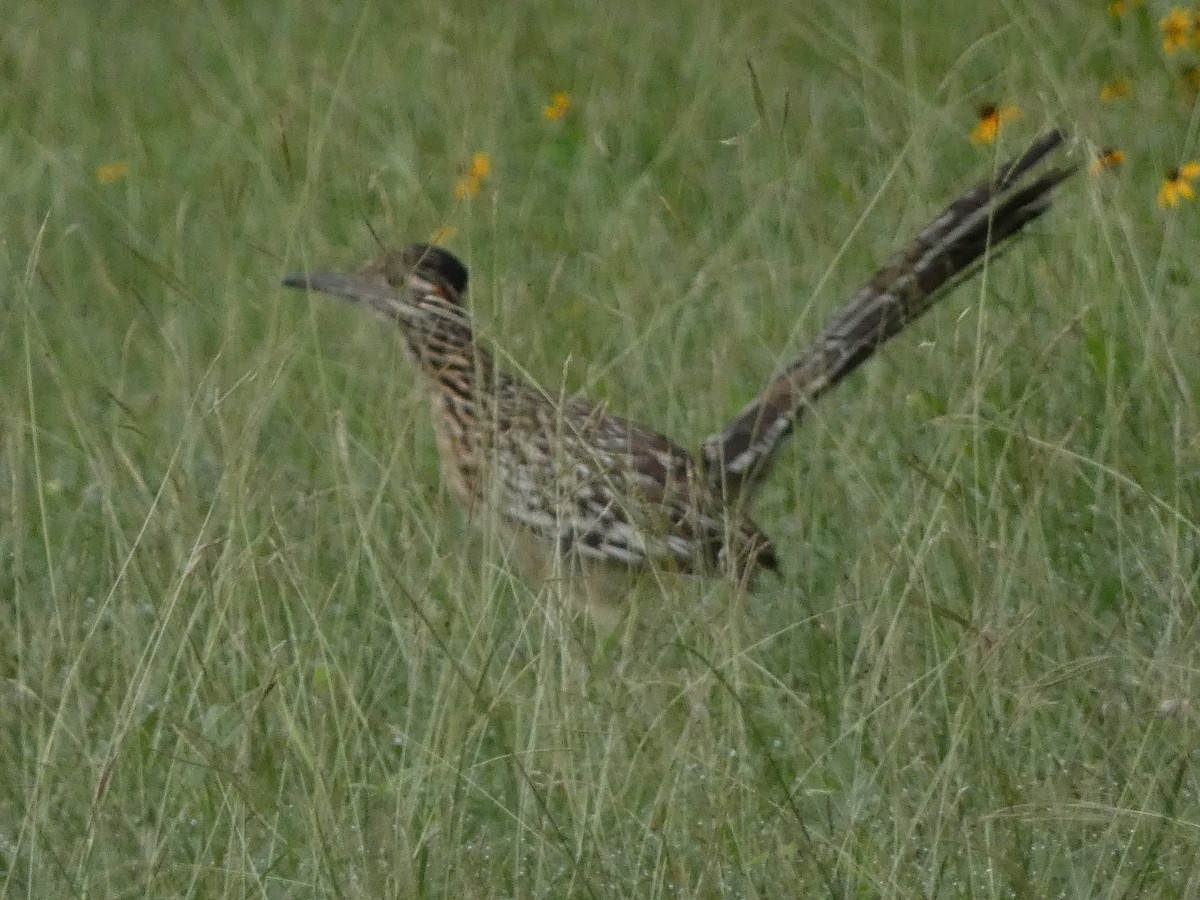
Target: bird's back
(605, 488)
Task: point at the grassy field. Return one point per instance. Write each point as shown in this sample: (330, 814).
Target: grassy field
(250, 647)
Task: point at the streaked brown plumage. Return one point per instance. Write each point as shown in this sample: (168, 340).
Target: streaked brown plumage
(600, 487)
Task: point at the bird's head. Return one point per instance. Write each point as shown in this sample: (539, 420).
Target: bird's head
(406, 285)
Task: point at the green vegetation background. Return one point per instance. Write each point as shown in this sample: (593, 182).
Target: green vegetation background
(249, 647)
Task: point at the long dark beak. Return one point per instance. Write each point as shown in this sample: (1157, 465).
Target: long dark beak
(371, 291)
(352, 287)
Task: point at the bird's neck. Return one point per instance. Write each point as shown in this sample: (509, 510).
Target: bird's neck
(445, 349)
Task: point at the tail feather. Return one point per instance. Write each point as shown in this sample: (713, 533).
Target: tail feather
(946, 252)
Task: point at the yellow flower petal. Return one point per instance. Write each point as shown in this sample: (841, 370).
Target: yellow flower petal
(1106, 160)
(1176, 187)
(984, 131)
(1115, 90)
(477, 173)
(112, 172)
(481, 166)
(559, 106)
(1190, 170)
(1177, 27)
(991, 117)
(442, 233)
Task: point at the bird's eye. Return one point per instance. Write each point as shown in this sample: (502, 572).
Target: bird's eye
(396, 272)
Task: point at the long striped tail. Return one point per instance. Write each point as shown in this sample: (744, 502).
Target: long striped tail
(947, 252)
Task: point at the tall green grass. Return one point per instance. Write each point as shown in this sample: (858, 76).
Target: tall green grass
(250, 647)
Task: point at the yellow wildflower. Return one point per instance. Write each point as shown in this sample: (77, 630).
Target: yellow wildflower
(559, 106)
(477, 173)
(481, 166)
(111, 173)
(1178, 27)
(442, 233)
(1116, 89)
(1178, 185)
(1106, 160)
(991, 117)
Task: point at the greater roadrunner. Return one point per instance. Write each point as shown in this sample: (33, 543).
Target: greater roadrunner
(599, 487)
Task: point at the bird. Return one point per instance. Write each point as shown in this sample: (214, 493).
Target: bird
(590, 486)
